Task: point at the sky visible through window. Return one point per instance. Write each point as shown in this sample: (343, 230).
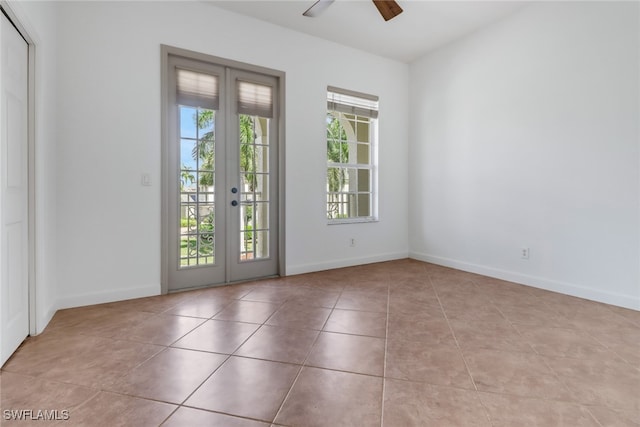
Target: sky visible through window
(188, 130)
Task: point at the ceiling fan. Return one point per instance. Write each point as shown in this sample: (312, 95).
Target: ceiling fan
(388, 8)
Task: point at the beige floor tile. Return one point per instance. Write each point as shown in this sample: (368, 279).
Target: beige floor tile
(520, 374)
(624, 341)
(538, 357)
(589, 316)
(374, 284)
(73, 316)
(111, 324)
(435, 332)
(324, 282)
(315, 297)
(489, 335)
(293, 315)
(20, 392)
(246, 387)
(600, 381)
(470, 312)
(365, 301)
(276, 295)
(218, 336)
(420, 284)
(535, 315)
(322, 398)
(202, 307)
(170, 376)
(628, 352)
(162, 329)
(410, 404)
(424, 362)
(511, 298)
(189, 417)
(155, 304)
(279, 344)
(236, 291)
(247, 311)
(631, 315)
(108, 360)
(357, 323)
(561, 342)
(352, 353)
(115, 410)
(53, 348)
(507, 411)
(608, 417)
(403, 301)
(454, 287)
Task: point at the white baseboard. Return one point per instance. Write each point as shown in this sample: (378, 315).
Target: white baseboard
(626, 301)
(108, 296)
(348, 262)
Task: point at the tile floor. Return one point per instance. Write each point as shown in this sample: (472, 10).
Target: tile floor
(400, 343)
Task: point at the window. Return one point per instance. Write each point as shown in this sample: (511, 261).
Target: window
(352, 130)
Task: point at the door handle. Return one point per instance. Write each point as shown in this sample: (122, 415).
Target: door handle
(234, 203)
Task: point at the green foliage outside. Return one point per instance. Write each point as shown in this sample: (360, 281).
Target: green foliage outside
(337, 152)
(204, 153)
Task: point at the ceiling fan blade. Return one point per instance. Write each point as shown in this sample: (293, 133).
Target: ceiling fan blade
(317, 8)
(388, 9)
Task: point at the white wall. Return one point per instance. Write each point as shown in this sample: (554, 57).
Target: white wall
(526, 135)
(109, 133)
(38, 21)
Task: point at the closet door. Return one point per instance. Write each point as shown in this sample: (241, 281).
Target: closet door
(14, 189)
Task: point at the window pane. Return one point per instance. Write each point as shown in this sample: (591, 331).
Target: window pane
(197, 148)
(364, 205)
(352, 180)
(364, 180)
(334, 179)
(187, 122)
(350, 128)
(363, 130)
(363, 154)
(254, 194)
(333, 151)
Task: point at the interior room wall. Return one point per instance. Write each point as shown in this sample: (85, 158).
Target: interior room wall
(109, 125)
(525, 135)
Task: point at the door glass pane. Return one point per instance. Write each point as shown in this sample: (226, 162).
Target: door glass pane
(197, 191)
(254, 179)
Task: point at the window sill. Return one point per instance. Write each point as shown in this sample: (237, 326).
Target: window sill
(352, 221)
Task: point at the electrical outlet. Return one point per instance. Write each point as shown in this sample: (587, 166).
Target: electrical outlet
(524, 253)
(352, 242)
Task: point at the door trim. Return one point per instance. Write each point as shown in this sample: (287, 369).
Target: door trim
(10, 13)
(165, 138)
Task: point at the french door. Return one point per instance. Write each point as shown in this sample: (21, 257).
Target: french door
(14, 190)
(222, 186)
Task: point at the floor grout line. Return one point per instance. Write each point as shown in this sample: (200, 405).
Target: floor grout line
(464, 360)
(304, 362)
(384, 364)
(434, 278)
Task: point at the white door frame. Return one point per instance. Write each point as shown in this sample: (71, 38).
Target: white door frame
(11, 14)
(165, 177)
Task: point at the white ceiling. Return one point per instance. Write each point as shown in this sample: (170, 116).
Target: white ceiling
(423, 26)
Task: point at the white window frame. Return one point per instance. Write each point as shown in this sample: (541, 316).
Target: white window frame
(360, 104)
